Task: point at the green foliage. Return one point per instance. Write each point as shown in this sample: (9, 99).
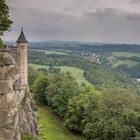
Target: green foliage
(38, 89)
(51, 69)
(132, 71)
(60, 90)
(102, 78)
(76, 107)
(114, 117)
(32, 74)
(64, 93)
(77, 73)
(28, 137)
(5, 22)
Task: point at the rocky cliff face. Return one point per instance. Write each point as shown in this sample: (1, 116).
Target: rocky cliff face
(17, 109)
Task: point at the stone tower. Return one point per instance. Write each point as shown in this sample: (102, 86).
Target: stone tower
(17, 108)
(22, 58)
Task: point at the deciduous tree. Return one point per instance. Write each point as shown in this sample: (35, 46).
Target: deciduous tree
(5, 22)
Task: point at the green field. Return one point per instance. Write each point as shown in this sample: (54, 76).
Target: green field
(130, 63)
(125, 54)
(125, 62)
(38, 66)
(76, 72)
(54, 52)
(50, 52)
(52, 128)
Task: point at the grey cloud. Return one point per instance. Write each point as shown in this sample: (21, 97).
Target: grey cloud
(134, 1)
(113, 25)
(133, 17)
(100, 24)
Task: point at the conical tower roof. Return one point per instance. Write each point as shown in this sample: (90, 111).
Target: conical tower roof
(22, 38)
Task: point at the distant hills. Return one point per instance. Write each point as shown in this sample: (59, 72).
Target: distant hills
(59, 42)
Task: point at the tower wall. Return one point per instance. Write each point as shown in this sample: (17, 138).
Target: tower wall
(22, 63)
(17, 109)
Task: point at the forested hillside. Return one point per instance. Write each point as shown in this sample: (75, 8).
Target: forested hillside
(109, 109)
(103, 78)
(122, 57)
(84, 47)
(85, 110)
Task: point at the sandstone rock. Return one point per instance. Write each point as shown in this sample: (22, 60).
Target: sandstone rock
(17, 109)
(6, 59)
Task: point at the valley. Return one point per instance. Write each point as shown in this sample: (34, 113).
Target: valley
(56, 83)
(102, 78)
(122, 57)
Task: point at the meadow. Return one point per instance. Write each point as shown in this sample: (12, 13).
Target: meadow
(76, 72)
(52, 128)
(50, 52)
(55, 52)
(125, 54)
(130, 63)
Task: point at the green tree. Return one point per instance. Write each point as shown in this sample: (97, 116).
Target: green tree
(67, 90)
(39, 87)
(52, 89)
(5, 22)
(116, 117)
(50, 92)
(61, 89)
(76, 108)
(33, 74)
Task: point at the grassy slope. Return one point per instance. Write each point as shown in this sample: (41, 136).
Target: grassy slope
(125, 54)
(52, 128)
(50, 52)
(76, 72)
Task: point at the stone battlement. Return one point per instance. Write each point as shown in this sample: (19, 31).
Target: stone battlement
(5, 49)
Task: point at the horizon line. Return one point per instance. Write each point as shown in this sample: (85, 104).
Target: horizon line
(78, 41)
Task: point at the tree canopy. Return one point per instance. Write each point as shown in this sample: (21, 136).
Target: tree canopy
(5, 22)
(99, 116)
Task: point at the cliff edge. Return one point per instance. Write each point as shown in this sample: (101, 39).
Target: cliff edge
(17, 109)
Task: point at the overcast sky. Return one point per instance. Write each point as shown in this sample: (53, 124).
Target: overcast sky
(84, 20)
